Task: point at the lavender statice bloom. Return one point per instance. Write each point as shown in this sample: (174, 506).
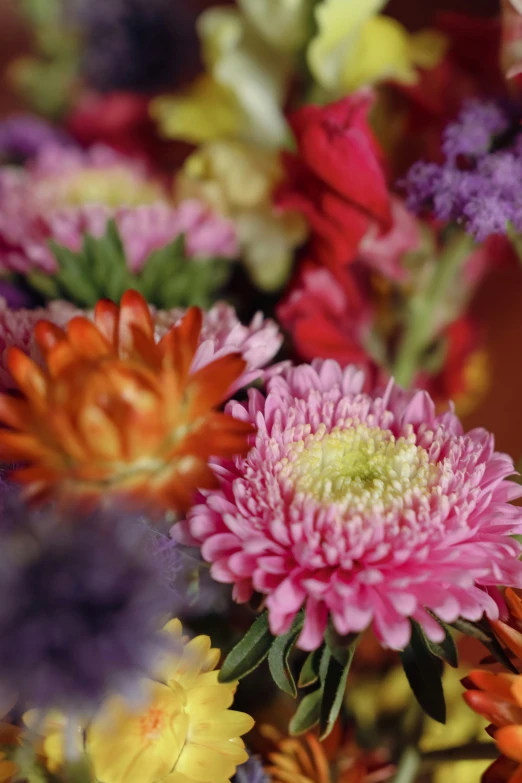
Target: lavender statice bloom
(471, 134)
(250, 772)
(136, 45)
(23, 136)
(480, 183)
(82, 606)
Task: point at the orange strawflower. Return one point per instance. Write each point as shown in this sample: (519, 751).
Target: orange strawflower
(498, 698)
(113, 413)
(338, 760)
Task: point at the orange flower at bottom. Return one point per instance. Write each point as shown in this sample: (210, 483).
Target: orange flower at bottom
(338, 760)
(115, 413)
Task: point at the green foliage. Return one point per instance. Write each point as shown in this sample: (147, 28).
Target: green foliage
(249, 653)
(278, 657)
(99, 270)
(424, 672)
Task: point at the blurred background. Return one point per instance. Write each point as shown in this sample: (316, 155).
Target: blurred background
(499, 300)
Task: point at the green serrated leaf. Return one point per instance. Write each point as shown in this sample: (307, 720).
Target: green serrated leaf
(249, 653)
(310, 669)
(308, 714)
(484, 633)
(334, 688)
(496, 649)
(447, 649)
(424, 673)
(279, 655)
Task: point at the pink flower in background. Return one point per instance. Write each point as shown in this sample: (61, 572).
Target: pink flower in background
(385, 251)
(370, 509)
(222, 333)
(65, 193)
(16, 329)
(511, 50)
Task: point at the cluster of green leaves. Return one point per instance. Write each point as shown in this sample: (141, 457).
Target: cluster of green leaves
(324, 674)
(99, 270)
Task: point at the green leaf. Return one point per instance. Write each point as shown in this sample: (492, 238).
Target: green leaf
(334, 688)
(447, 649)
(340, 646)
(471, 629)
(310, 670)
(483, 632)
(73, 276)
(249, 653)
(424, 673)
(308, 714)
(279, 655)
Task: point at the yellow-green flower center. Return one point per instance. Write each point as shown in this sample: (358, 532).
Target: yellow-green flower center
(360, 467)
(113, 187)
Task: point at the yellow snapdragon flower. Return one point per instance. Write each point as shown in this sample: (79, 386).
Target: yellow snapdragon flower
(355, 46)
(238, 180)
(241, 94)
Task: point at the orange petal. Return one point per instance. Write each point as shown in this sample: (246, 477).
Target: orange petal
(179, 344)
(500, 771)
(106, 318)
(29, 377)
(514, 602)
(211, 384)
(134, 312)
(493, 708)
(21, 447)
(498, 684)
(509, 742)
(510, 637)
(47, 335)
(99, 433)
(14, 412)
(86, 339)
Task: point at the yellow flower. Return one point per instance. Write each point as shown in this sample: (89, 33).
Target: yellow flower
(60, 738)
(185, 733)
(238, 181)
(284, 24)
(355, 47)
(242, 94)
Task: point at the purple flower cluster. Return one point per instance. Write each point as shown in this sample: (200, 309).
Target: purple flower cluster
(22, 137)
(251, 772)
(480, 183)
(83, 605)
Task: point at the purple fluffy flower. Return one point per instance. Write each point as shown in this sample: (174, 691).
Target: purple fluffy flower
(86, 606)
(251, 772)
(23, 136)
(472, 133)
(480, 183)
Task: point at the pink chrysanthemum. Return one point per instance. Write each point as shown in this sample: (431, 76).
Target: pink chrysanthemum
(363, 508)
(222, 333)
(65, 193)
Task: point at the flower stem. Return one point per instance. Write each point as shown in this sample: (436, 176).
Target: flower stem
(409, 766)
(422, 322)
(474, 751)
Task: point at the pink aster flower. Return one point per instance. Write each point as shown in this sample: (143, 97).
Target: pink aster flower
(368, 509)
(65, 193)
(222, 333)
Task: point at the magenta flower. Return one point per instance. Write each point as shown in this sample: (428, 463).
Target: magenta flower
(369, 509)
(222, 334)
(65, 193)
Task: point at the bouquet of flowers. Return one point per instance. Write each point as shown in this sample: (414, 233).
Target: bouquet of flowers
(250, 530)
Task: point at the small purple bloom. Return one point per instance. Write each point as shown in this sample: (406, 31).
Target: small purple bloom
(479, 185)
(472, 133)
(250, 772)
(23, 136)
(83, 606)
